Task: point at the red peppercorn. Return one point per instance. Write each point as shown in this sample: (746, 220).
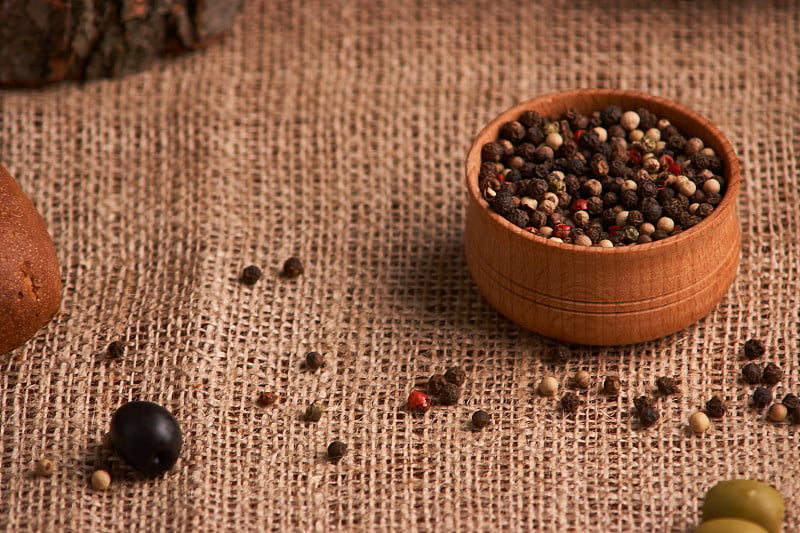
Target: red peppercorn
(561, 231)
(577, 135)
(635, 156)
(418, 402)
(675, 168)
(580, 205)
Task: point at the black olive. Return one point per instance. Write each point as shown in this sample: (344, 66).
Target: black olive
(146, 436)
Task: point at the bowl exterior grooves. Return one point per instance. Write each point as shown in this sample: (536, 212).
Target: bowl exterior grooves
(604, 296)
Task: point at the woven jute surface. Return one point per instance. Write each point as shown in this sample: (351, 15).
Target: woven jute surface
(337, 132)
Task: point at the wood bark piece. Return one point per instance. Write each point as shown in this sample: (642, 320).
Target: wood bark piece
(42, 41)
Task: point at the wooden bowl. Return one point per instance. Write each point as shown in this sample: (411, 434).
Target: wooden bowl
(604, 296)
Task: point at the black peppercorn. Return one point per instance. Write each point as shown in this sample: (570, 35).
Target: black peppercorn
(503, 203)
(611, 386)
(648, 416)
(762, 397)
(436, 383)
(493, 152)
(526, 151)
(640, 403)
(751, 373)
(570, 402)
(715, 407)
(314, 360)
(455, 375)
(531, 119)
(537, 219)
(481, 419)
(635, 218)
(659, 234)
(116, 349)
(336, 450)
(667, 385)
(518, 217)
(754, 349)
(647, 189)
(629, 199)
(791, 401)
(610, 115)
(449, 394)
(651, 209)
(513, 131)
(292, 267)
(250, 275)
(647, 119)
(771, 374)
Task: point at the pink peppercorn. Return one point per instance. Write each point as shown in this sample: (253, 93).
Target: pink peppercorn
(418, 402)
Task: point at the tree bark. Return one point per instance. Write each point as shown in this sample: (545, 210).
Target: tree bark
(43, 41)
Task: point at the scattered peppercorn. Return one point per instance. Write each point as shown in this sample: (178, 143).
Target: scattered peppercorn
(101, 480)
(481, 419)
(314, 360)
(548, 386)
(772, 374)
(455, 375)
(794, 416)
(667, 385)
(314, 412)
(715, 407)
(449, 394)
(267, 399)
(292, 268)
(582, 379)
(116, 349)
(250, 275)
(791, 402)
(418, 402)
(436, 383)
(648, 416)
(777, 412)
(754, 349)
(570, 402)
(640, 403)
(762, 397)
(45, 467)
(611, 386)
(699, 422)
(561, 353)
(751, 373)
(336, 450)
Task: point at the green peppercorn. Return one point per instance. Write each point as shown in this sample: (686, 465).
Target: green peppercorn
(314, 412)
(481, 419)
(729, 525)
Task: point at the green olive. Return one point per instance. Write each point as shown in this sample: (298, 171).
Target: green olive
(746, 499)
(729, 525)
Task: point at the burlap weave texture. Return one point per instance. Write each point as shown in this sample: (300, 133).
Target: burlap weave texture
(337, 132)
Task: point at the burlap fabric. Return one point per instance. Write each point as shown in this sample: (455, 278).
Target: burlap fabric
(337, 131)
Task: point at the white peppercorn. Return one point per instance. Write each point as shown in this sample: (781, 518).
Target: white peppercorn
(602, 133)
(699, 422)
(605, 243)
(646, 228)
(662, 124)
(630, 120)
(622, 218)
(581, 219)
(45, 467)
(711, 186)
(708, 151)
(583, 380)
(653, 133)
(545, 231)
(554, 141)
(687, 188)
(548, 386)
(651, 165)
(665, 224)
(693, 146)
(529, 202)
(777, 412)
(693, 208)
(635, 136)
(583, 240)
(660, 145)
(556, 239)
(101, 480)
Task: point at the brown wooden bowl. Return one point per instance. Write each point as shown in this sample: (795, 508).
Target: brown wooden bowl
(604, 296)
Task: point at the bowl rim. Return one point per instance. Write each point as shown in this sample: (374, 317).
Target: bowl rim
(727, 154)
